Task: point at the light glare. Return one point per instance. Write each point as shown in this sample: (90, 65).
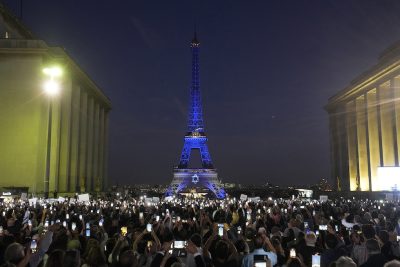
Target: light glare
(53, 71)
(51, 87)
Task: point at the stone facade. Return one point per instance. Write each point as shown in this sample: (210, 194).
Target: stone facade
(364, 120)
(80, 117)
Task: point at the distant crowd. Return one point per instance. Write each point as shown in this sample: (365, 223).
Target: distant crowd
(128, 232)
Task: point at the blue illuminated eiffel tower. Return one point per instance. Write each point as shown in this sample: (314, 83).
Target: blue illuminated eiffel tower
(206, 177)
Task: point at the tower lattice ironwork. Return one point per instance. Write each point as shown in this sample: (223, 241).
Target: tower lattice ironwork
(195, 138)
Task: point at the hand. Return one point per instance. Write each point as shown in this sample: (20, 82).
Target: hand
(191, 248)
(166, 246)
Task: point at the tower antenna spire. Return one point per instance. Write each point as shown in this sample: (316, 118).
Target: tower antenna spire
(195, 40)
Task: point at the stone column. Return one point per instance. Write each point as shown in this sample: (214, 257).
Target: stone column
(89, 143)
(83, 142)
(75, 139)
(351, 128)
(362, 144)
(95, 146)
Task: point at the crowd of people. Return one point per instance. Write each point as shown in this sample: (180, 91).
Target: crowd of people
(123, 231)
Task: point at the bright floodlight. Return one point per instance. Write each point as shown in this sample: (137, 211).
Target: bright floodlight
(51, 87)
(53, 71)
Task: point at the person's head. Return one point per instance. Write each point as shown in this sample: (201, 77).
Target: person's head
(350, 218)
(331, 241)
(355, 238)
(168, 236)
(345, 261)
(222, 250)
(196, 239)
(95, 257)
(14, 253)
(249, 233)
(55, 258)
(368, 231)
(393, 263)
(72, 258)
(258, 241)
(276, 243)
(294, 263)
(372, 246)
(127, 258)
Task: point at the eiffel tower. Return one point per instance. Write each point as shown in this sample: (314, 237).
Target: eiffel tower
(205, 178)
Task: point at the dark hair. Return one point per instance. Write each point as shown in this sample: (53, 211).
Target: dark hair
(55, 258)
(294, 263)
(368, 231)
(72, 258)
(222, 250)
(331, 241)
(168, 236)
(258, 241)
(196, 239)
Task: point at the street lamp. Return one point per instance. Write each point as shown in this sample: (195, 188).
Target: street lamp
(51, 88)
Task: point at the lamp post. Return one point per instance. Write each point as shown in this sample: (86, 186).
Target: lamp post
(51, 89)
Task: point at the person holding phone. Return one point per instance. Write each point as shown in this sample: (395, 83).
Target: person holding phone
(260, 241)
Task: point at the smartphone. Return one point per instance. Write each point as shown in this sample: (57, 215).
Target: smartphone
(337, 228)
(157, 218)
(179, 244)
(323, 227)
(149, 227)
(292, 253)
(124, 230)
(260, 260)
(87, 232)
(34, 245)
(316, 260)
(73, 226)
(220, 229)
(140, 215)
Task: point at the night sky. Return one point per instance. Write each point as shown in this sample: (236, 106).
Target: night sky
(267, 70)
